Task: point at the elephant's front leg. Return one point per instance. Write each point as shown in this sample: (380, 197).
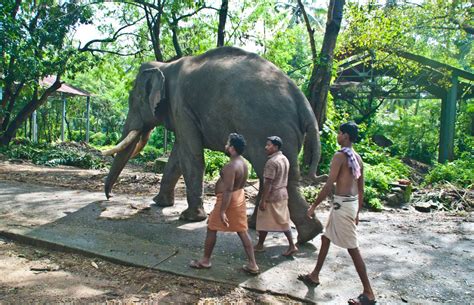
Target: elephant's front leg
(191, 160)
(171, 174)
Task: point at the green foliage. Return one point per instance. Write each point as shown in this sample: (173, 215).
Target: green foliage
(149, 153)
(309, 193)
(413, 127)
(53, 155)
(459, 172)
(35, 43)
(215, 161)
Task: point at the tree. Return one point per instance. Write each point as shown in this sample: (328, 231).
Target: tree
(322, 65)
(35, 44)
(222, 21)
(322, 70)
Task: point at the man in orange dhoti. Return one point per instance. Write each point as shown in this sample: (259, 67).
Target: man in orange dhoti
(230, 212)
(273, 214)
(348, 174)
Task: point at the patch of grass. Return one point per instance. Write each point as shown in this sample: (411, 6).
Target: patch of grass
(459, 172)
(54, 154)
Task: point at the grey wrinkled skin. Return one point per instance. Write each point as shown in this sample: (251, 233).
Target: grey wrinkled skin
(203, 99)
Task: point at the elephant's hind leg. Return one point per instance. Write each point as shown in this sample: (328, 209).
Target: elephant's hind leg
(171, 174)
(307, 228)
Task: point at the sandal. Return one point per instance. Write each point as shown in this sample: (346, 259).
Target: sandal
(198, 265)
(250, 271)
(305, 278)
(362, 299)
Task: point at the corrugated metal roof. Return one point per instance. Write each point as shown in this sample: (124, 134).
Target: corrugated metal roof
(65, 88)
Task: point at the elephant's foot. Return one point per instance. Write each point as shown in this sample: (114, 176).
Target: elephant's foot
(163, 201)
(308, 230)
(193, 214)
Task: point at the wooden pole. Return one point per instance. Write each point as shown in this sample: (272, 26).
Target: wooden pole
(87, 118)
(448, 120)
(63, 120)
(165, 141)
(34, 127)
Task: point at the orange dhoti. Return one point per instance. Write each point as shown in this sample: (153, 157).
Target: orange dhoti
(236, 213)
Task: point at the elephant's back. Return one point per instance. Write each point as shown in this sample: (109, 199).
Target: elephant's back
(242, 92)
(242, 79)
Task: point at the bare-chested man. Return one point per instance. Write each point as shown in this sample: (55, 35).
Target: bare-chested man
(348, 174)
(230, 212)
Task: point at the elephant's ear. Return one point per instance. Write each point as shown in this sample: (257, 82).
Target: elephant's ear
(154, 87)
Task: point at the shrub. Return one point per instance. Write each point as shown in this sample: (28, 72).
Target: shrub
(149, 153)
(215, 160)
(54, 155)
(459, 172)
(97, 138)
(309, 193)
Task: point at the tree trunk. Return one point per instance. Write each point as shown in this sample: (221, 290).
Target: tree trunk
(321, 74)
(174, 30)
(11, 104)
(27, 111)
(154, 27)
(222, 20)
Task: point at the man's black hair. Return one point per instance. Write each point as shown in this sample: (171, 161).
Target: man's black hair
(238, 142)
(276, 140)
(351, 129)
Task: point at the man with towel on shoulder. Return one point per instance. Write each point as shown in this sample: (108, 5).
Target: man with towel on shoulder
(348, 173)
(230, 212)
(273, 214)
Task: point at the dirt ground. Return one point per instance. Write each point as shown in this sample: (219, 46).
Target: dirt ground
(37, 275)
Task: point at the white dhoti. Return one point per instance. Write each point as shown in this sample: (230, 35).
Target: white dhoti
(275, 218)
(341, 228)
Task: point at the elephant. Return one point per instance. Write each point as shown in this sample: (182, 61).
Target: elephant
(203, 99)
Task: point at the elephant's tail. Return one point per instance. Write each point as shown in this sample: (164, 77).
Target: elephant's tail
(314, 146)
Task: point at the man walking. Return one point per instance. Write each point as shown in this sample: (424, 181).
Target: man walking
(230, 212)
(348, 173)
(273, 214)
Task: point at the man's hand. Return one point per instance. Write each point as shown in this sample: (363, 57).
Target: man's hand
(357, 219)
(262, 205)
(224, 220)
(310, 211)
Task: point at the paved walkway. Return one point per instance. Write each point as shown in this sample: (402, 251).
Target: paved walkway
(127, 230)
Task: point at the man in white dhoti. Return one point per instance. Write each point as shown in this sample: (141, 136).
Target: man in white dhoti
(348, 174)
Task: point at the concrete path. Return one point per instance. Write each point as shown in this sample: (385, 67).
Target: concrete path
(406, 261)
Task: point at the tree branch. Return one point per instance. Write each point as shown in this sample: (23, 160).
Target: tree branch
(310, 31)
(116, 35)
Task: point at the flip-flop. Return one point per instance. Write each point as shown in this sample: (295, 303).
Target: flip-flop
(362, 299)
(198, 265)
(259, 249)
(305, 278)
(250, 271)
(290, 253)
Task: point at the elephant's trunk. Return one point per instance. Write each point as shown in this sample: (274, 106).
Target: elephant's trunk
(118, 164)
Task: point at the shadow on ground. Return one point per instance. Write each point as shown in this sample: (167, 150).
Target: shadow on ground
(410, 256)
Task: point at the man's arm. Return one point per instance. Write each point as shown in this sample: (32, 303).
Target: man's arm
(228, 177)
(267, 187)
(269, 173)
(360, 189)
(336, 163)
